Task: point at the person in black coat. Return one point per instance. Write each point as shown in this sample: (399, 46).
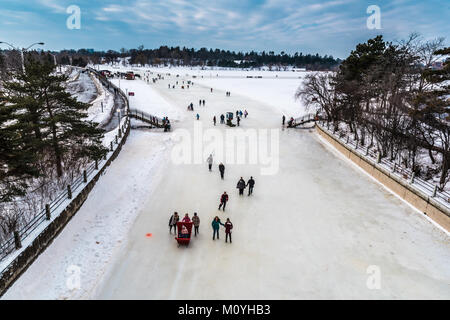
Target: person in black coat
(222, 170)
(250, 184)
(223, 201)
(241, 186)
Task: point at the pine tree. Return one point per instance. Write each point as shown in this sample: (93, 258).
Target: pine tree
(39, 99)
(17, 158)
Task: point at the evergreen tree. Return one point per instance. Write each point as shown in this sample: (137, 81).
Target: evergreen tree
(17, 158)
(56, 118)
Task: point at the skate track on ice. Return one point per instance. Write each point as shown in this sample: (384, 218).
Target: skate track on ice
(309, 231)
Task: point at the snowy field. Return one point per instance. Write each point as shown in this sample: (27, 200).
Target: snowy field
(311, 230)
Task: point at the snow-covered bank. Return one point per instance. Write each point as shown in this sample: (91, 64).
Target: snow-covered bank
(91, 240)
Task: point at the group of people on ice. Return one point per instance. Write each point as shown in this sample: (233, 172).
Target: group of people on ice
(239, 115)
(176, 218)
(215, 224)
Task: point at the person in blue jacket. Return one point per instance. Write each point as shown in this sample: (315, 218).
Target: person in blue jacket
(216, 225)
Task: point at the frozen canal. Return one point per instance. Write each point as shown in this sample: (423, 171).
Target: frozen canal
(316, 228)
(309, 231)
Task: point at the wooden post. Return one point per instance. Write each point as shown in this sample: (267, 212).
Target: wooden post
(393, 168)
(84, 176)
(96, 164)
(379, 158)
(413, 175)
(116, 139)
(69, 191)
(434, 191)
(112, 146)
(348, 137)
(120, 133)
(17, 241)
(47, 212)
(367, 150)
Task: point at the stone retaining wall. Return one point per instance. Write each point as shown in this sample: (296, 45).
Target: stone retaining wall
(402, 188)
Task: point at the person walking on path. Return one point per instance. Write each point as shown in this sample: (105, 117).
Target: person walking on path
(203, 102)
(223, 200)
(283, 119)
(216, 225)
(199, 102)
(210, 161)
(173, 222)
(238, 120)
(198, 116)
(222, 170)
(222, 119)
(250, 184)
(228, 226)
(196, 222)
(245, 113)
(241, 186)
(214, 120)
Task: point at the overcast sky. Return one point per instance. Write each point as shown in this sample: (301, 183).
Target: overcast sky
(325, 27)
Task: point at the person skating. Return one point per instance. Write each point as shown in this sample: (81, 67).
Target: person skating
(203, 102)
(214, 120)
(198, 116)
(241, 186)
(196, 222)
(238, 120)
(210, 161)
(283, 119)
(186, 218)
(222, 119)
(216, 225)
(223, 200)
(173, 222)
(228, 226)
(250, 184)
(221, 170)
(211, 90)
(245, 113)
(199, 102)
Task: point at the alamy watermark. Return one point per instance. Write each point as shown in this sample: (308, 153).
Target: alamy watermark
(374, 20)
(374, 280)
(229, 146)
(73, 281)
(74, 20)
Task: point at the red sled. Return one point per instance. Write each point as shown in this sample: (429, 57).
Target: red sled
(184, 233)
(131, 93)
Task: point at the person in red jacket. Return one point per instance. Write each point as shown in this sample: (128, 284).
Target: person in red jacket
(228, 226)
(223, 200)
(186, 218)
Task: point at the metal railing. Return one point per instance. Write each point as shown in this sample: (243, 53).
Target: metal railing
(429, 189)
(302, 120)
(146, 117)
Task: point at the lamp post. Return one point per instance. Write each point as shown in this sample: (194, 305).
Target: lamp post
(22, 51)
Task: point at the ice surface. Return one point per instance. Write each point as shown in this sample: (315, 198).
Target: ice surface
(309, 231)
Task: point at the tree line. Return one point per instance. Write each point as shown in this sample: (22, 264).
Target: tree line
(193, 57)
(44, 136)
(391, 97)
